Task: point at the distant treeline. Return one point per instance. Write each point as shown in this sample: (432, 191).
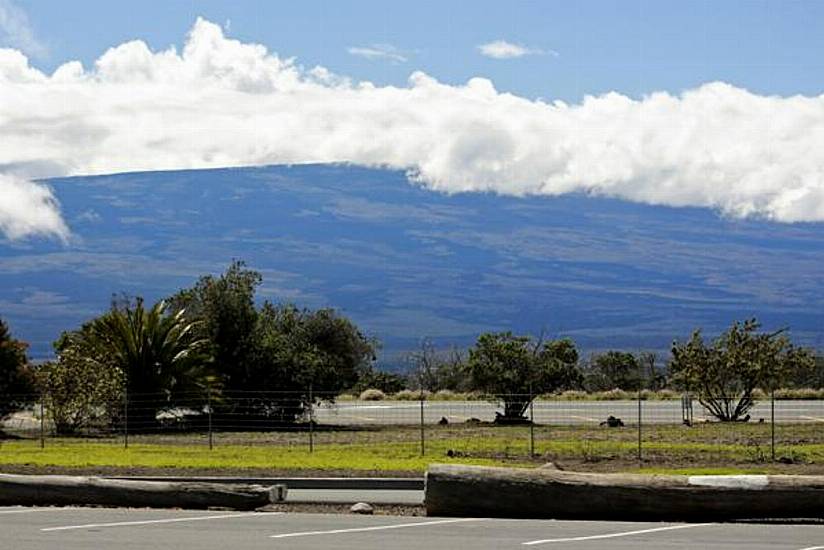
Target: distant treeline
(135, 361)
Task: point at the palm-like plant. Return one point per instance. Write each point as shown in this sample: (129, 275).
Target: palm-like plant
(158, 351)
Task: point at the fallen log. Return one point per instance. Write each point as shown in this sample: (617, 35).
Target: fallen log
(25, 490)
(475, 491)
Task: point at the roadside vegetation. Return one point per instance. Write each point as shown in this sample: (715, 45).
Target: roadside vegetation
(694, 449)
(214, 353)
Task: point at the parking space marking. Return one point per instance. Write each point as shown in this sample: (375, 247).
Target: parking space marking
(30, 510)
(619, 534)
(155, 521)
(374, 528)
(814, 548)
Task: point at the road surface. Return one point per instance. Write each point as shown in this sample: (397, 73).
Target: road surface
(550, 412)
(84, 528)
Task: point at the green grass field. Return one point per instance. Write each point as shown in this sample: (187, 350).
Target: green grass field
(711, 448)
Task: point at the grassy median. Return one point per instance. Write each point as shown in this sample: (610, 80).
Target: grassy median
(709, 448)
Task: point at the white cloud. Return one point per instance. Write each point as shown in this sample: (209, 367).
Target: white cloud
(29, 209)
(219, 102)
(16, 31)
(379, 51)
(501, 49)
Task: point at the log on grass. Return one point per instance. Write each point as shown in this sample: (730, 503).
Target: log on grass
(468, 491)
(33, 490)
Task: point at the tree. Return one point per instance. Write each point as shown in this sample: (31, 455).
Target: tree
(613, 369)
(725, 372)
(298, 351)
(16, 382)
(516, 368)
(268, 359)
(80, 390)
(371, 377)
(223, 309)
(158, 352)
(435, 370)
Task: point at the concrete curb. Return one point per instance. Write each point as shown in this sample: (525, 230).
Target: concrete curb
(350, 483)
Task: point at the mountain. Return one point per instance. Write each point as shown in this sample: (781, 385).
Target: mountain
(405, 262)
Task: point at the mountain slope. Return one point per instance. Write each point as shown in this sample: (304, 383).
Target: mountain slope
(406, 262)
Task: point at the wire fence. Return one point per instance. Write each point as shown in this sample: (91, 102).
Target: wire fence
(674, 432)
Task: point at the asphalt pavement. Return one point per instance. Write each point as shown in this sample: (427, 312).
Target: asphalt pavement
(139, 529)
(551, 412)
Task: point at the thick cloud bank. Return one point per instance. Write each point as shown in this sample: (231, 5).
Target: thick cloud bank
(28, 209)
(223, 103)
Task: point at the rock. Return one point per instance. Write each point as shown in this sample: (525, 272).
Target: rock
(362, 508)
(613, 422)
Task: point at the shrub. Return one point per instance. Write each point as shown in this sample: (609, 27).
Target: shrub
(409, 395)
(372, 394)
(799, 393)
(614, 395)
(667, 394)
(571, 395)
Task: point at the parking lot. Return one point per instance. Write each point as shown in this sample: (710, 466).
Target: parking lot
(83, 528)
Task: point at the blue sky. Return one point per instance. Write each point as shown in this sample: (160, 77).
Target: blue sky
(634, 47)
(707, 103)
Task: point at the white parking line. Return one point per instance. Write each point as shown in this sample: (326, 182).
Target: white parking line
(152, 521)
(814, 548)
(375, 528)
(615, 535)
(30, 510)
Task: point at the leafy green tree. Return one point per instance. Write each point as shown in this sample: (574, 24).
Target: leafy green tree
(613, 369)
(268, 359)
(157, 350)
(725, 372)
(223, 309)
(299, 350)
(371, 377)
(80, 390)
(516, 368)
(16, 381)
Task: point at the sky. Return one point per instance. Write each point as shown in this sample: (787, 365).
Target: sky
(709, 104)
(633, 47)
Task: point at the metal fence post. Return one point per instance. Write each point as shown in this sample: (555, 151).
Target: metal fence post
(772, 424)
(640, 419)
(126, 417)
(423, 444)
(42, 422)
(531, 428)
(311, 421)
(209, 404)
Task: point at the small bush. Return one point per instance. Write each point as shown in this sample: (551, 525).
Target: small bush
(409, 395)
(372, 394)
(448, 395)
(572, 395)
(667, 394)
(799, 393)
(614, 395)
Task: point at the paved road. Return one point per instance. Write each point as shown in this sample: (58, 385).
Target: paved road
(549, 412)
(84, 528)
(350, 496)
